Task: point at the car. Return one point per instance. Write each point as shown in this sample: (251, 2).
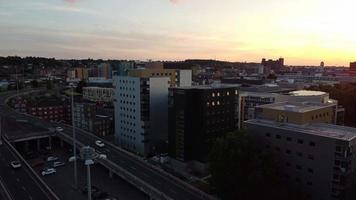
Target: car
(52, 158)
(15, 164)
(99, 194)
(58, 164)
(48, 171)
(59, 129)
(71, 159)
(99, 143)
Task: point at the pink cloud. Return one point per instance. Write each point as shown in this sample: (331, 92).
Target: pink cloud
(71, 1)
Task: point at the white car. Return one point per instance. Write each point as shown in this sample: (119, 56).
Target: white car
(99, 143)
(15, 164)
(48, 171)
(58, 164)
(51, 158)
(59, 129)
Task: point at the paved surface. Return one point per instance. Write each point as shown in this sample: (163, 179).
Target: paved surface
(19, 182)
(169, 186)
(61, 182)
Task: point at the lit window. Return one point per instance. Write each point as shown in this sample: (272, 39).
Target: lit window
(227, 93)
(213, 103)
(213, 94)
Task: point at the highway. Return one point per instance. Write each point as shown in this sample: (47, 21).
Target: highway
(20, 183)
(171, 187)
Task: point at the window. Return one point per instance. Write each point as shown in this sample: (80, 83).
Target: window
(268, 134)
(298, 167)
(310, 157)
(278, 149)
(288, 151)
(300, 141)
(309, 183)
(278, 136)
(310, 170)
(312, 144)
(289, 139)
(300, 154)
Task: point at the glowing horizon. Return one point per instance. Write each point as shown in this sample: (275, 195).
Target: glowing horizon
(304, 32)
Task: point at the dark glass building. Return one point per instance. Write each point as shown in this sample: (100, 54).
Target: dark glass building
(197, 116)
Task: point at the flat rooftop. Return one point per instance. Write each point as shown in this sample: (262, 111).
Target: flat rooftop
(209, 87)
(318, 129)
(299, 107)
(307, 93)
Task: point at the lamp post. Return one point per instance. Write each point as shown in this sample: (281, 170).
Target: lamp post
(88, 154)
(74, 142)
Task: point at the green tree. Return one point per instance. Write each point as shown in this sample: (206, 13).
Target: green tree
(34, 83)
(240, 171)
(49, 85)
(79, 88)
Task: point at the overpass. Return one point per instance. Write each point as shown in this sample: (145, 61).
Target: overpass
(153, 181)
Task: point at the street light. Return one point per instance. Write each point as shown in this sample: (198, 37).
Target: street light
(88, 154)
(74, 141)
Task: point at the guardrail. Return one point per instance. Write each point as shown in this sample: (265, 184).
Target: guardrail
(151, 191)
(163, 174)
(44, 187)
(7, 193)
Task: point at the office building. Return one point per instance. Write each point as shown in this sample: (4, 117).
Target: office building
(88, 117)
(141, 105)
(252, 97)
(122, 68)
(314, 158)
(197, 116)
(98, 94)
(177, 77)
(352, 70)
(104, 70)
(299, 112)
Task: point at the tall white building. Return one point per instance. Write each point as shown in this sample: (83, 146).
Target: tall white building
(141, 112)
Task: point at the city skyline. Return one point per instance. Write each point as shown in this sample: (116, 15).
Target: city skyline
(303, 32)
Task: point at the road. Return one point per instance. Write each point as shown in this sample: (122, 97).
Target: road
(171, 187)
(19, 182)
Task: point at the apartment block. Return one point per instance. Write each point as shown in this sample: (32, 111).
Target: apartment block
(98, 94)
(176, 77)
(141, 105)
(198, 115)
(316, 159)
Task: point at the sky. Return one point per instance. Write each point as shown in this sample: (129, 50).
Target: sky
(304, 32)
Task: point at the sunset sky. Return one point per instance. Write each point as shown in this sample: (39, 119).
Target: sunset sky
(302, 31)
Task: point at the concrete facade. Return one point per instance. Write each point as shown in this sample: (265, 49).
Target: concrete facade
(316, 159)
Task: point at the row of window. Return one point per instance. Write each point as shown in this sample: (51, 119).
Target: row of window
(128, 109)
(162, 74)
(299, 167)
(127, 102)
(289, 152)
(289, 139)
(127, 116)
(127, 88)
(127, 81)
(127, 95)
(320, 115)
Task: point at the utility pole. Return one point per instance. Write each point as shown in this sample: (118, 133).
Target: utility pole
(74, 144)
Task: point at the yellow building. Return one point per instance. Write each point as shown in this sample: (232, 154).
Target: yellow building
(299, 112)
(81, 73)
(147, 73)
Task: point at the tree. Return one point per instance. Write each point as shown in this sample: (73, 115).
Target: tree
(49, 85)
(79, 88)
(240, 171)
(34, 83)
